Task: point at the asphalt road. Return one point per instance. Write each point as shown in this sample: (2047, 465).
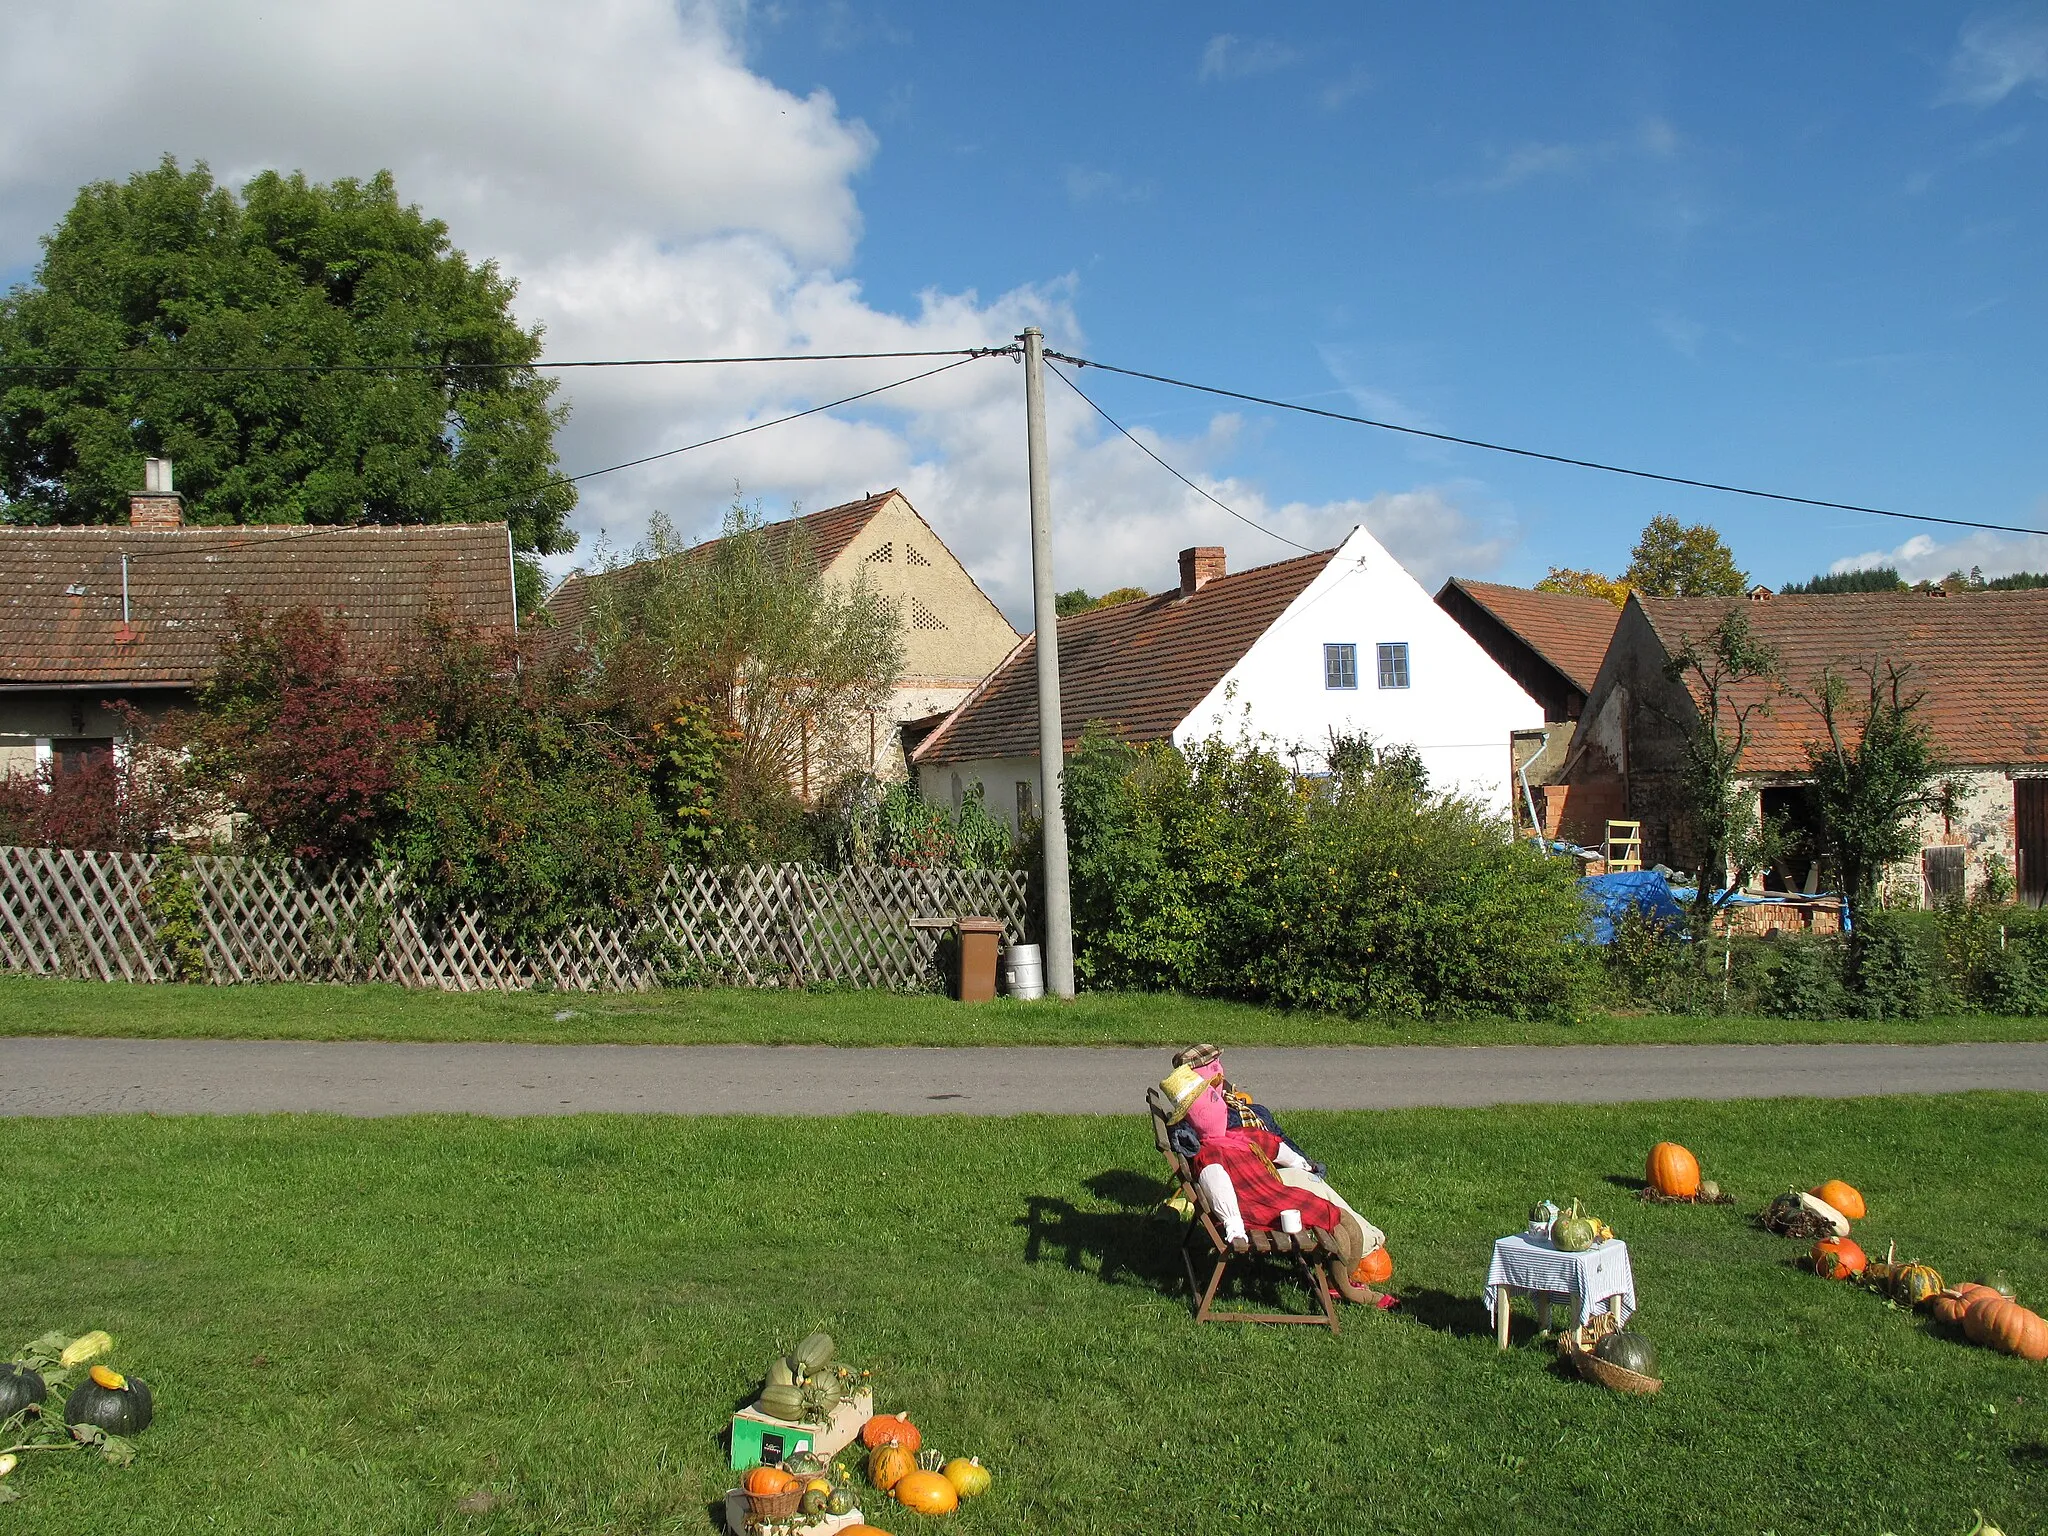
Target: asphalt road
(179, 1077)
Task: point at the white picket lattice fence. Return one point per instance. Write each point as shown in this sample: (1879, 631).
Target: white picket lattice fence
(88, 915)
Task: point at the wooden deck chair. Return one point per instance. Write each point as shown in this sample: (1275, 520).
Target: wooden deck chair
(1203, 1242)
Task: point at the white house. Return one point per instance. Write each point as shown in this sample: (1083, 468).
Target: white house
(1340, 641)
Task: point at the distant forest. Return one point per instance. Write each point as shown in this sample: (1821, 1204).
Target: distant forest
(1885, 578)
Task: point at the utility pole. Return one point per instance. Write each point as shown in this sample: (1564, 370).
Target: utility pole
(1059, 916)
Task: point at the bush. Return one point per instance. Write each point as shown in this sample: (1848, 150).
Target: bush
(1894, 967)
(893, 825)
(1217, 872)
(1806, 981)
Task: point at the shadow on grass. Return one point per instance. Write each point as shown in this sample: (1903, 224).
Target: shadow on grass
(1627, 1182)
(2033, 1454)
(1463, 1317)
(1117, 1247)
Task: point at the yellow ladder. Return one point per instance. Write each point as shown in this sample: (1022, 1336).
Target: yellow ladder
(1624, 846)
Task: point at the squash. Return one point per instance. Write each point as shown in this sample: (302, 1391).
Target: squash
(20, 1389)
(841, 1501)
(889, 1464)
(814, 1354)
(1710, 1192)
(786, 1403)
(1916, 1284)
(1574, 1233)
(1630, 1351)
(927, 1493)
(1843, 1197)
(1999, 1284)
(123, 1410)
(1826, 1213)
(1950, 1305)
(1838, 1258)
(1376, 1268)
(1672, 1171)
(929, 1460)
(815, 1500)
(890, 1429)
(862, 1530)
(767, 1482)
(87, 1346)
(2005, 1325)
(968, 1476)
(8, 1463)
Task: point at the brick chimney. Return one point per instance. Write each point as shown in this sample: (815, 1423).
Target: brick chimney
(1199, 566)
(156, 505)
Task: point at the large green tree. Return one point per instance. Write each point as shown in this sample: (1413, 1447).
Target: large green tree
(1672, 560)
(159, 317)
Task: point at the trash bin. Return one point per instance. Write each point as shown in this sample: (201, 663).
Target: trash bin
(978, 938)
(1024, 971)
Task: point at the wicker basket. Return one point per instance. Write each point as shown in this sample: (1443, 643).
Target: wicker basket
(1577, 1348)
(762, 1508)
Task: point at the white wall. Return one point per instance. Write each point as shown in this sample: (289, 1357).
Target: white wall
(1457, 711)
(998, 778)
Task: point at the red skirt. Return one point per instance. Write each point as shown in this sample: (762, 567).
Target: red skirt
(1247, 1156)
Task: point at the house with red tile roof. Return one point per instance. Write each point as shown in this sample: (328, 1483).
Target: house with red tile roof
(1974, 658)
(1341, 641)
(953, 633)
(1552, 643)
(94, 619)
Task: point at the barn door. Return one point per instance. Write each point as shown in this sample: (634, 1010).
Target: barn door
(2030, 826)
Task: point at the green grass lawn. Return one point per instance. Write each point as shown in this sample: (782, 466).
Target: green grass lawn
(357, 1326)
(737, 1015)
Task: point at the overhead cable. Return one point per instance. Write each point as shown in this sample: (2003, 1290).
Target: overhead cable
(1549, 458)
(455, 367)
(1183, 479)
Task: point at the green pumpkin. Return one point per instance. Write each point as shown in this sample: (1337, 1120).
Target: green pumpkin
(1630, 1351)
(1916, 1284)
(123, 1410)
(1574, 1234)
(814, 1353)
(841, 1500)
(20, 1388)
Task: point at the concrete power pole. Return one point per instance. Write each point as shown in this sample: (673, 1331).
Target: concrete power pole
(1059, 915)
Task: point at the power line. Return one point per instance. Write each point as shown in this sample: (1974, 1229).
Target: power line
(726, 437)
(455, 367)
(1549, 458)
(1183, 479)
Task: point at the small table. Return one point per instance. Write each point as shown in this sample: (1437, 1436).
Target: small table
(1598, 1279)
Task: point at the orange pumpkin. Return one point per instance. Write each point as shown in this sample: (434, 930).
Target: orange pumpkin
(2007, 1326)
(891, 1429)
(768, 1482)
(1376, 1268)
(1672, 1171)
(862, 1530)
(1842, 1197)
(927, 1493)
(1838, 1258)
(1951, 1305)
(888, 1465)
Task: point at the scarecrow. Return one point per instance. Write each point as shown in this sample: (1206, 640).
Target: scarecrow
(1251, 1170)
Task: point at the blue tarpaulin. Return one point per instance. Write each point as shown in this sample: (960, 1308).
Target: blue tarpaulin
(1614, 896)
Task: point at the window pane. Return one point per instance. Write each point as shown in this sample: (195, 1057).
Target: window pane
(1394, 665)
(1340, 666)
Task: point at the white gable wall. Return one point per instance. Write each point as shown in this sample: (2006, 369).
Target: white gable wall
(1457, 710)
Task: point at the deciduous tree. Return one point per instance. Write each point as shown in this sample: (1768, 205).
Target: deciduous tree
(1729, 840)
(1876, 772)
(1672, 560)
(158, 318)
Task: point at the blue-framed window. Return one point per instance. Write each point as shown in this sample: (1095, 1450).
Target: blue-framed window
(1340, 665)
(1394, 665)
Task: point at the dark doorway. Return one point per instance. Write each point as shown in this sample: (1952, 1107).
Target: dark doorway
(77, 754)
(1799, 867)
(2030, 829)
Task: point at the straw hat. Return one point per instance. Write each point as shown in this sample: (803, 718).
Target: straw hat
(1183, 1085)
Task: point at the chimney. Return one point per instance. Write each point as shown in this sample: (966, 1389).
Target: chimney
(157, 505)
(1199, 566)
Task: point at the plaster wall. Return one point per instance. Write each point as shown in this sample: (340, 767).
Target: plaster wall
(948, 784)
(952, 631)
(1458, 711)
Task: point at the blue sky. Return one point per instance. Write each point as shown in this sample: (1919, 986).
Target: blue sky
(1800, 248)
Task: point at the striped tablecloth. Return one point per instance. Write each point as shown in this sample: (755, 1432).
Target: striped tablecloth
(1532, 1264)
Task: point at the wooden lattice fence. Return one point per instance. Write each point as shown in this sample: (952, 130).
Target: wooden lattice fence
(89, 915)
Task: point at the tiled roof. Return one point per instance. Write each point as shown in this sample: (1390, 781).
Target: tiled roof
(60, 592)
(1981, 659)
(1139, 667)
(1567, 630)
(830, 531)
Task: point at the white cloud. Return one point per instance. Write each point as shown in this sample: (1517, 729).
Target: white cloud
(1653, 139)
(1230, 57)
(1089, 184)
(1997, 55)
(654, 197)
(1925, 558)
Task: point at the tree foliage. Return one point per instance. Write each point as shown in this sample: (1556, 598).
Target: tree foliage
(1672, 560)
(423, 405)
(1881, 578)
(1078, 601)
(1716, 670)
(788, 665)
(1584, 584)
(1875, 774)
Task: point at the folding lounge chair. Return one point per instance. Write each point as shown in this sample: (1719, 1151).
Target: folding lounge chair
(1308, 1251)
